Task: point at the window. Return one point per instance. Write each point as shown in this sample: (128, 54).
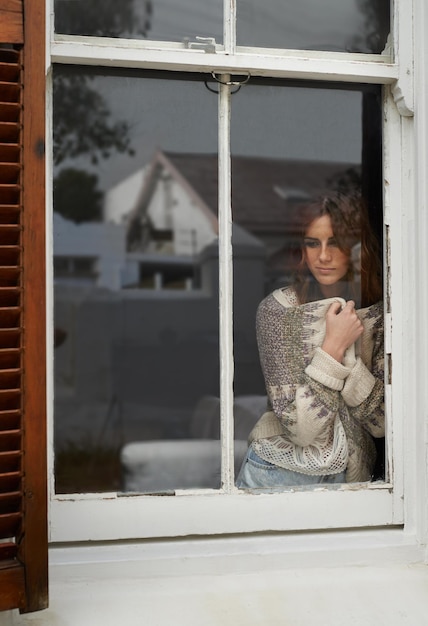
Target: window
(176, 152)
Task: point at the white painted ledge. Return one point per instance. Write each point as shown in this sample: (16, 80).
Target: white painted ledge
(375, 577)
(238, 554)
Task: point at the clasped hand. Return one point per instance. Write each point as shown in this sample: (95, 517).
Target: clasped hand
(343, 327)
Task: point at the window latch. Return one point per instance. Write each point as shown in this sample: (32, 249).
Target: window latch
(207, 44)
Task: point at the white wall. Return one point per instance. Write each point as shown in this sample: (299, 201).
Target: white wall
(121, 199)
(358, 596)
(172, 207)
(103, 241)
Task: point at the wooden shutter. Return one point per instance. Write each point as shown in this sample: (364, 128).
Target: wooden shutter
(23, 526)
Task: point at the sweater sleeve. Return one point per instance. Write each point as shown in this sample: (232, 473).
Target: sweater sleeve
(304, 393)
(363, 391)
(327, 371)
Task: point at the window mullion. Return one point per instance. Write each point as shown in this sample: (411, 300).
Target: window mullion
(225, 287)
(229, 21)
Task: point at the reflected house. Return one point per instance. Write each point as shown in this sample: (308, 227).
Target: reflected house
(168, 228)
(137, 294)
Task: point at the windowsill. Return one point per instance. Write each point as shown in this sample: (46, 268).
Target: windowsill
(368, 596)
(374, 576)
(234, 554)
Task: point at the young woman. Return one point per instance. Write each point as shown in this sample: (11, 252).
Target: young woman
(321, 351)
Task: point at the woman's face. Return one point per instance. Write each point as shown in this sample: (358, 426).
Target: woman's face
(326, 261)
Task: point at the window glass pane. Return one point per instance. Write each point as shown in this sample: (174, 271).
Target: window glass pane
(305, 145)
(136, 283)
(336, 25)
(162, 20)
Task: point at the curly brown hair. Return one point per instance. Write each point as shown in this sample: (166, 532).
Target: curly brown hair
(353, 233)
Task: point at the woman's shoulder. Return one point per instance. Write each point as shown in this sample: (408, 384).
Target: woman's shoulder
(275, 305)
(286, 296)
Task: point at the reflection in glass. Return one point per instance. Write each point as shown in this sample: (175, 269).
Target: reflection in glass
(136, 284)
(162, 20)
(335, 25)
(304, 143)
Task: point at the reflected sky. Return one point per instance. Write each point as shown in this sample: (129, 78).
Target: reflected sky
(319, 124)
(309, 24)
(322, 24)
(172, 19)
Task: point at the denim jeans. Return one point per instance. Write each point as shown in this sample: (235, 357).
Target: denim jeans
(256, 473)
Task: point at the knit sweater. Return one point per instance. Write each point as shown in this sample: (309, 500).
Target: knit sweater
(322, 414)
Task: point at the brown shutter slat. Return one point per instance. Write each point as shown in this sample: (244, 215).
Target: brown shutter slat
(9, 131)
(9, 462)
(9, 172)
(9, 276)
(8, 214)
(9, 317)
(9, 152)
(7, 551)
(10, 399)
(10, 255)
(10, 481)
(10, 420)
(10, 502)
(9, 194)
(9, 235)
(9, 72)
(9, 338)
(9, 296)
(9, 91)
(9, 111)
(9, 440)
(10, 54)
(10, 379)
(9, 359)
(10, 523)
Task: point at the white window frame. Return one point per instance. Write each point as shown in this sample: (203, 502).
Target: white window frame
(109, 516)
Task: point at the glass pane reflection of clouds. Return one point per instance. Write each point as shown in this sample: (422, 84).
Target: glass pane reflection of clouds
(335, 25)
(135, 285)
(161, 20)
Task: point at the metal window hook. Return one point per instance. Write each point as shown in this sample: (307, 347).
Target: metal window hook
(232, 83)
